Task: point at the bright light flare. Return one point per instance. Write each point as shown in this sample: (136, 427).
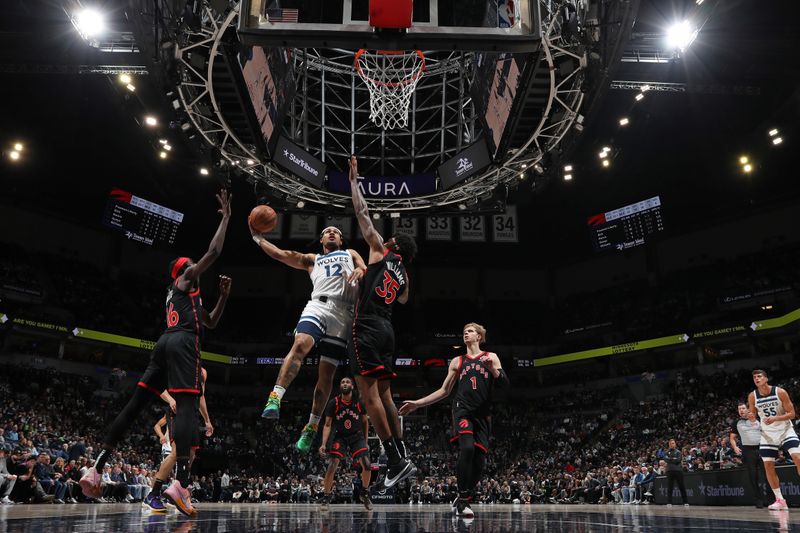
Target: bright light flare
(606, 163)
(681, 35)
(18, 147)
(743, 160)
(162, 154)
(773, 132)
(204, 171)
(748, 168)
(90, 22)
(150, 121)
(624, 121)
(777, 140)
(639, 97)
(568, 168)
(125, 79)
(14, 155)
(567, 177)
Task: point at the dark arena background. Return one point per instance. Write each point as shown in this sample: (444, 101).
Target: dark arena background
(608, 187)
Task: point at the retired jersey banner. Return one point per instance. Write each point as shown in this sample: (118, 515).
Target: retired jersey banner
(438, 228)
(405, 226)
(473, 228)
(303, 227)
(343, 223)
(504, 226)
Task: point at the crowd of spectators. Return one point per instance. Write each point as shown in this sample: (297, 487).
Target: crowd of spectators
(583, 447)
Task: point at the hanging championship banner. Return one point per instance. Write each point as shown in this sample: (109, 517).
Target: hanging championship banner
(405, 226)
(473, 228)
(276, 232)
(303, 227)
(438, 228)
(504, 225)
(343, 223)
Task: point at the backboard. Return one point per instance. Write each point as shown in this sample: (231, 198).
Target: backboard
(482, 25)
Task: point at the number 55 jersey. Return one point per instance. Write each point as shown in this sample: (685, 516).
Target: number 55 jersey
(777, 434)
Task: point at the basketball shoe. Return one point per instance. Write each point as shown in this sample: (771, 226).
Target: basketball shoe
(398, 472)
(181, 498)
(306, 438)
(154, 503)
(779, 505)
(90, 484)
(273, 407)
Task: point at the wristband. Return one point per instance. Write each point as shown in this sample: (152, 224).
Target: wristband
(257, 239)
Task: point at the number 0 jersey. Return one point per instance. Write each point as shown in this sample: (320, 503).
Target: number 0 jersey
(184, 311)
(383, 283)
(475, 385)
(330, 274)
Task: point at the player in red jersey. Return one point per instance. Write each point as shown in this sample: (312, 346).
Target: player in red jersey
(174, 364)
(371, 345)
(475, 375)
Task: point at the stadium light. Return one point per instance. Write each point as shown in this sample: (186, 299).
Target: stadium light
(568, 168)
(567, 177)
(603, 154)
(639, 97)
(250, 162)
(203, 171)
(125, 79)
(606, 163)
(14, 155)
(743, 160)
(162, 154)
(167, 147)
(773, 132)
(163, 141)
(748, 168)
(150, 121)
(90, 23)
(681, 35)
(777, 140)
(130, 87)
(624, 121)
(18, 147)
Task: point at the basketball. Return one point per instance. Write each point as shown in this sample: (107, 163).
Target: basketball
(262, 218)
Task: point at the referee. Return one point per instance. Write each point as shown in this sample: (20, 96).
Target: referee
(749, 434)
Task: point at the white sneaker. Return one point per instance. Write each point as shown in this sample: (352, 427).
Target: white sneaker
(6, 501)
(669, 505)
(779, 505)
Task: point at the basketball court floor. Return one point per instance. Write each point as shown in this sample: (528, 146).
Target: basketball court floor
(218, 518)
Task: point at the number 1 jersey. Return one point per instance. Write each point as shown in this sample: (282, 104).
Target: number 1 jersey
(475, 384)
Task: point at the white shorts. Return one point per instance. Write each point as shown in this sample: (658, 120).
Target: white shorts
(329, 324)
(772, 441)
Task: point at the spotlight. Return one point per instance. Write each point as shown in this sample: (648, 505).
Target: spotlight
(777, 140)
(624, 121)
(250, 162)
(90, 23)
(163, 141)
(568, 168)
(639, 97)
(603, 154)
(376, 216)
(773, 132)
(743, 160)
(162, 154)
(748, 168)
(645, 88)
(204, 171)
(186, 127)
(524, 166)
(301, 204)
(18, 147)
(538, 168)
(168, 148)
(130, 87)
(125, 79)
(14, 155)
(681, 35)
(606, 163)
(521, 175)
(606, 148)
(462, 207)
(150, 121)
(567, 177)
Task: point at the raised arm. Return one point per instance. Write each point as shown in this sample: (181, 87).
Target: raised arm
(210, 320)
(368, 231)
(409, 406)
(193, 272)
(287, 257)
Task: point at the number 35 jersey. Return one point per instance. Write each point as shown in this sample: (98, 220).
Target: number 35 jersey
(329, 277)
(384, 282)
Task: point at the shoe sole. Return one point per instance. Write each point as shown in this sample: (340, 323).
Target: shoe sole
(408, 471)
(179, 506)
(272, 414)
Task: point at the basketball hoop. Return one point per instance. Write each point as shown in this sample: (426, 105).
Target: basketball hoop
(391, 77)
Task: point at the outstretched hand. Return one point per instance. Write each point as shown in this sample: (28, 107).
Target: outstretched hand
(224, 200)
(409, 406)
(353, 169)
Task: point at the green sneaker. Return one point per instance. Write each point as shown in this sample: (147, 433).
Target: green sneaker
(273, 407)
(307, 438)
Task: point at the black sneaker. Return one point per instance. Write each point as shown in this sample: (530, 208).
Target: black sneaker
(365, 500)
(398, 472)
(463, 509)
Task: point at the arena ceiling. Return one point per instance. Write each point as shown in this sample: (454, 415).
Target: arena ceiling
(84, 132)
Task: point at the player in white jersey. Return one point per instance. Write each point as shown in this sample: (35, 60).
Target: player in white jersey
(324, 323)
(776, 411)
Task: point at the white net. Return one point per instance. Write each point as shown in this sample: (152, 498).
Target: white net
(391, 78)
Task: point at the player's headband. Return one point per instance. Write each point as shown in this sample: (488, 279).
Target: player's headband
(178, 266)
(334, 228)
